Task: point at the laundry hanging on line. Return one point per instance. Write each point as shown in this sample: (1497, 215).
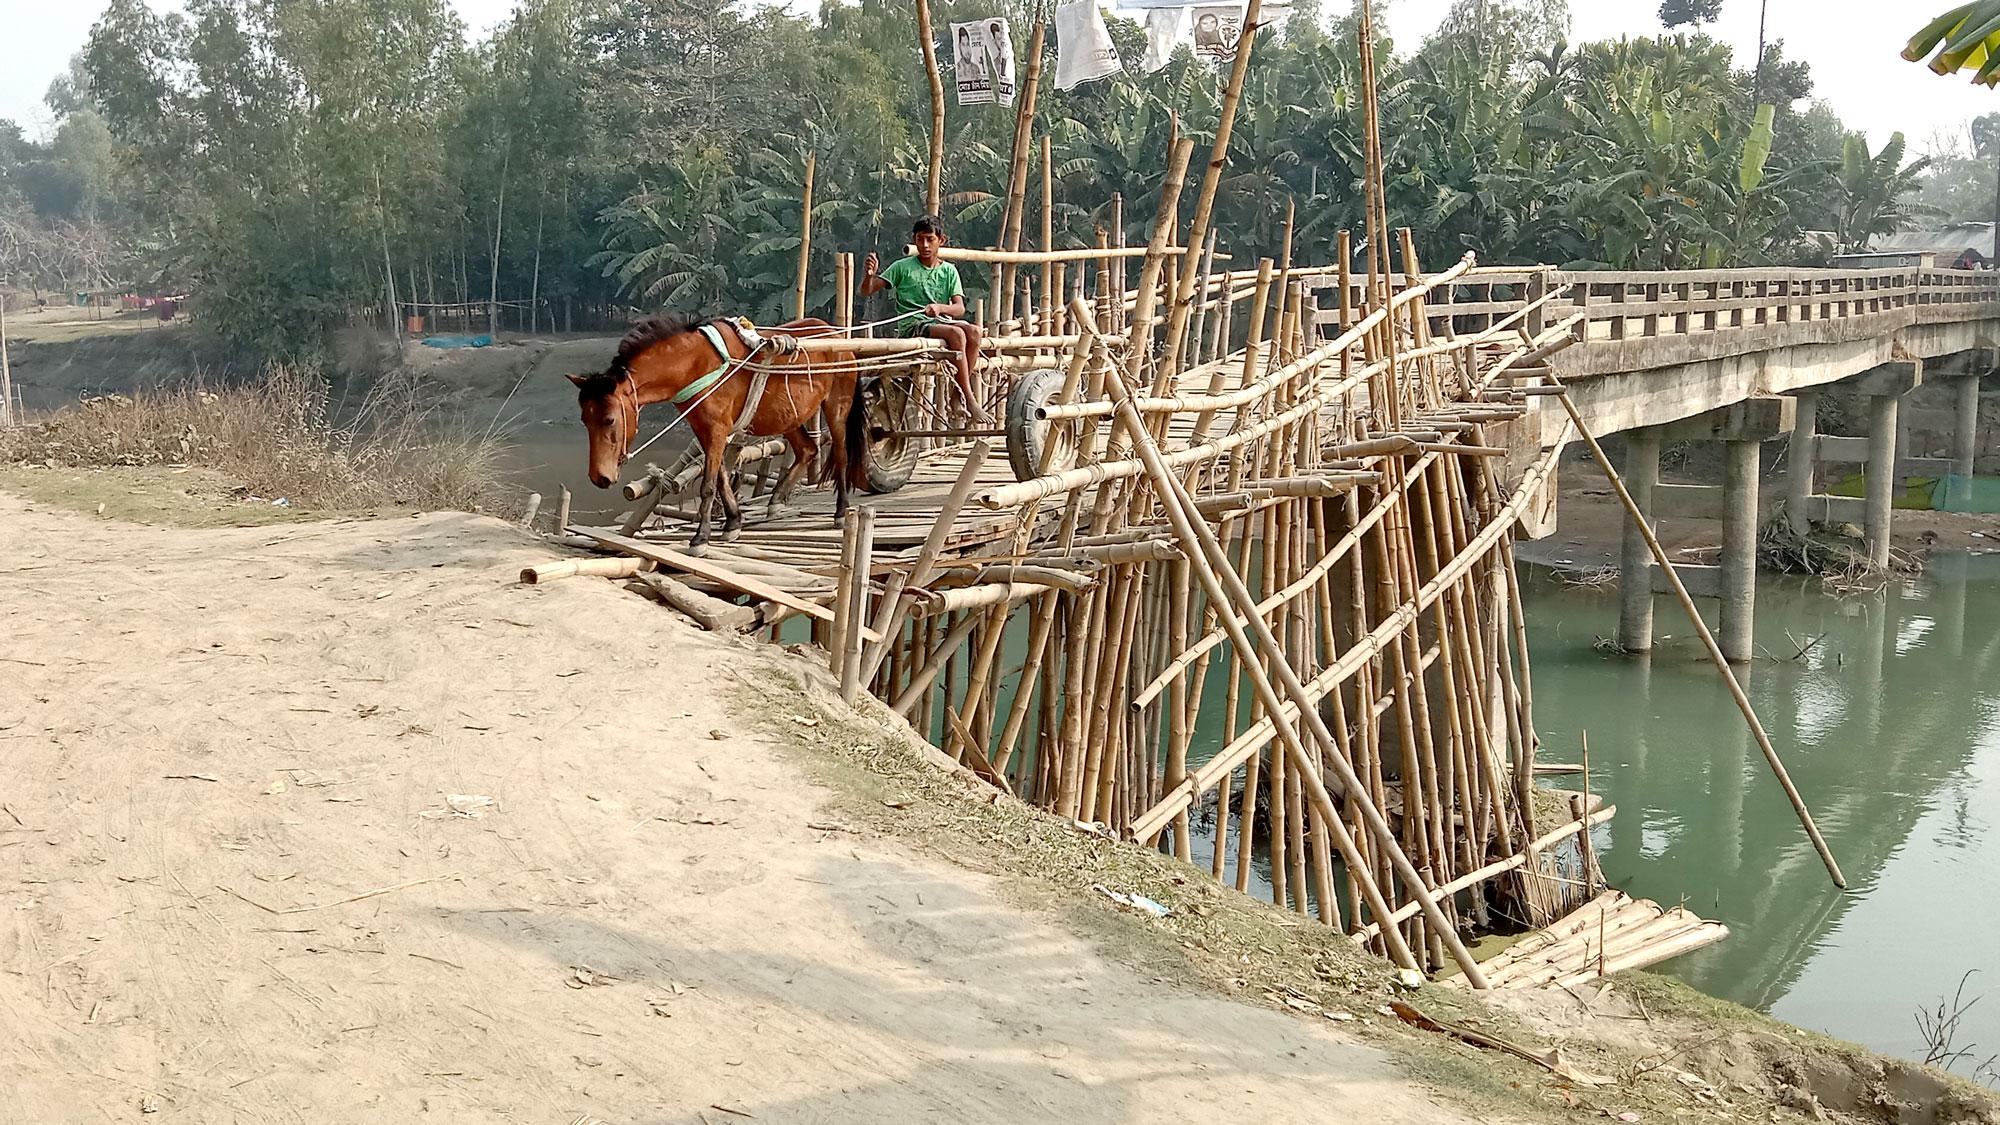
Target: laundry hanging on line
(982, 56)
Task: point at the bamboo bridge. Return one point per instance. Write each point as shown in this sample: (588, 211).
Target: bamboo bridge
(1257, 596)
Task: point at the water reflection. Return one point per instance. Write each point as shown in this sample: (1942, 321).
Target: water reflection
(1883, 708)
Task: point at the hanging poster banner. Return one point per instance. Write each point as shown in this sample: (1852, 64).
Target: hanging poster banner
(1165, 28)
(1217, 27)
(982, 55)
(1084, 52)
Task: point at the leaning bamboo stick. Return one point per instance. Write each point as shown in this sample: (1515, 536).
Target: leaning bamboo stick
(1701, 628)
(1222, 584)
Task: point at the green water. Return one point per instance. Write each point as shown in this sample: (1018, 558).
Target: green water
(1888, 725)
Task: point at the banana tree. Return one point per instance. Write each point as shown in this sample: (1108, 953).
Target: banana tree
(1965, 38)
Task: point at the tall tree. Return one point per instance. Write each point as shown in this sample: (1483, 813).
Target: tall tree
(1683, 13)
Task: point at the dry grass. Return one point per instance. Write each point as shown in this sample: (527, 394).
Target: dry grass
(277, 438)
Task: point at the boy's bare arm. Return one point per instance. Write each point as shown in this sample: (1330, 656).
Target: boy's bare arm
(871, 278)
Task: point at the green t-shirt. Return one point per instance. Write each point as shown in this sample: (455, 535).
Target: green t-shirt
(917, 285)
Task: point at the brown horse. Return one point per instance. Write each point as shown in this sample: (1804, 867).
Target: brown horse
(662, 358)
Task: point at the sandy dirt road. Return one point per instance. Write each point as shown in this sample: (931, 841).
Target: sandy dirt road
(210, 740)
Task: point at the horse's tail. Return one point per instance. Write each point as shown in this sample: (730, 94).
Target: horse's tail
(857, 436)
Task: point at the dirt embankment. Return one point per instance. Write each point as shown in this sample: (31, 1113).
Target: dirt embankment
(331, 821)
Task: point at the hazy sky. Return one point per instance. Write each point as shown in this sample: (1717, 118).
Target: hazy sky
(1851, 44)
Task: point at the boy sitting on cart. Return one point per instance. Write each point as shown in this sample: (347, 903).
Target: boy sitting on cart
(930, 301)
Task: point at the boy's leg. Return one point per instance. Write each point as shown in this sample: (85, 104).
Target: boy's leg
(974, 337)
(952, 335)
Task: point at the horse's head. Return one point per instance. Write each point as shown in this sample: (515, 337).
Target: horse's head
(609, 403)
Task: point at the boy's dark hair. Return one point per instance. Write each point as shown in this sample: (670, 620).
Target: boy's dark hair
(929, 224)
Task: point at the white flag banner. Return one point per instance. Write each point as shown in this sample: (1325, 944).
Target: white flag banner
(1084, 52)
(982, 56)
(1165, 28)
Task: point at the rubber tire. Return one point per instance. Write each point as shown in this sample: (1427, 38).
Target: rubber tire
(890, 463)
(1027, 436)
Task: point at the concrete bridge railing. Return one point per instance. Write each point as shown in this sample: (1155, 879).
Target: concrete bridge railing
(1737, 357)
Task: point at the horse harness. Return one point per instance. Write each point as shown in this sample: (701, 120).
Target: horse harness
(691, 395)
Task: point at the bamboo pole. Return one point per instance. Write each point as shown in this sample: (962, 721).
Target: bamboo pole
(806, 231)
(934, 184)
(1051, 285)
(843, 597)
(857, 605)
(1211, 179)
(1017, 165)
(1701, 628)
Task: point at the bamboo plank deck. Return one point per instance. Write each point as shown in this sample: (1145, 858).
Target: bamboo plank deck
(1613, 933)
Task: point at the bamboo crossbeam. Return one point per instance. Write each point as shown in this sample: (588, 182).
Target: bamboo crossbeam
(1259, 734)
(1042, 257)
(1306, 583)
(1006, 496)
(984, 596)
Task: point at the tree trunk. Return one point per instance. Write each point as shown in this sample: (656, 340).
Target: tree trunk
(535, 285)
(499, 225)
(6, 370)
(389, 271)
(934, 193)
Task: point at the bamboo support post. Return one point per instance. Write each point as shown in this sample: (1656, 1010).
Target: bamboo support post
(806, 231)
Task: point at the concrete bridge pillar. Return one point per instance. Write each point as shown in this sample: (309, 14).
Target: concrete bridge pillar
(1885, 387)
(1801, 457)
(1635, 562)
(1741, 465)
(1965, 429)
(1742, 429)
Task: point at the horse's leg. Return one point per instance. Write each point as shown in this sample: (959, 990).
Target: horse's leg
(732, 504)
(805, 453)
(712, 478)
(838, 405)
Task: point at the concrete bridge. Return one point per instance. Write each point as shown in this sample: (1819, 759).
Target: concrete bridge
(1740, 357)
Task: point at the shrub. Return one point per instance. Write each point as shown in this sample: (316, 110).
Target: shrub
(277, 437)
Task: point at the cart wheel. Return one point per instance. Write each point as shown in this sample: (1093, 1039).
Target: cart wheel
(892, 458)
(1036, 445)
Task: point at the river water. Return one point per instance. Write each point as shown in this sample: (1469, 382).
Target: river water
(1888, 725)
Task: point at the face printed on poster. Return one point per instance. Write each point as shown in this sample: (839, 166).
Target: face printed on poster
(982, 55)
(1216, 30)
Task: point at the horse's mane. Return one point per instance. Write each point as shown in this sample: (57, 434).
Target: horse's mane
(643, 335)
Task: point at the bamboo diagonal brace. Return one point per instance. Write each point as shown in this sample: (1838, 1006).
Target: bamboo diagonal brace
(1743, 704)
(1222, 585)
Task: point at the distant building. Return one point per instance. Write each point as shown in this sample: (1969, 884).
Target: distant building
(1964, 246)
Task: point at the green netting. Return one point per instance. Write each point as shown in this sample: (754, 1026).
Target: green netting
(1969, 494)
(1921, 495)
